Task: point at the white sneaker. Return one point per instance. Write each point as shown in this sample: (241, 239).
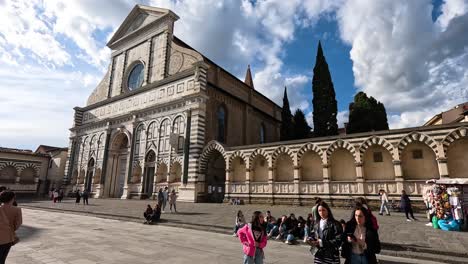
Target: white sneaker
(429, 224)
(234, 235)
(408, 220)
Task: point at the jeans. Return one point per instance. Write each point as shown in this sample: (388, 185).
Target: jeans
(257, 259)
(274, 230)
(306, 232)
(5, 248)
(358, 259)
(383, 206)
(164, 204)
(290, 238)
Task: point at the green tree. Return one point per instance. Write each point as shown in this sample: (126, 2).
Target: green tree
(366, 114)
(324, 102)
(286, 131)
(301, 128)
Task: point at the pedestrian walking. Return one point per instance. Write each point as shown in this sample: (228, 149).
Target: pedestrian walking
(362, 240)
(160, 197)
(85, 196)
(10, 220)
(383, 202)
(172, 200)
(405, 205)
(165, 196)
(254, 239)
(61, 194)
(326, 237)
(77, 196)
(55, 195)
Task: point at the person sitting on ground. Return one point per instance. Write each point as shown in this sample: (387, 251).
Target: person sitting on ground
(281, 227)
(362, 201)
(292, 230)
(301, 226)
(308, 226)
(240, 222)
(156, 216)
(147, 214)
(362, 240)
(270, 222)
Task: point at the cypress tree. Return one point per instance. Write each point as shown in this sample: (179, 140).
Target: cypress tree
(324, 102)
(366, 114)
(301, 128)
(286, 131)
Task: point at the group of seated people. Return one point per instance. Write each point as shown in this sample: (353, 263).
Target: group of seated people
(289, 228)
(152, 215)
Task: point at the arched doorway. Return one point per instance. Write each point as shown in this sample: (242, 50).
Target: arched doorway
(215, 177)
(8, 174)
(457, 154)
(117, 166)
(148, 179)
(28, 175)
(89, 175)
(259, 172)
(238, 170)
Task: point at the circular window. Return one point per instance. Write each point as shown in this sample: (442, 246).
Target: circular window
(135, 80)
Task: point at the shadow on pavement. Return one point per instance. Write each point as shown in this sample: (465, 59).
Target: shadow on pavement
(26, 232)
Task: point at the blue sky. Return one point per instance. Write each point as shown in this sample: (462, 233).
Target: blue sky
(407, 54)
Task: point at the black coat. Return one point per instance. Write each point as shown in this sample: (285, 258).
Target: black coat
(331, 239)
(405, 201)
(372, 241)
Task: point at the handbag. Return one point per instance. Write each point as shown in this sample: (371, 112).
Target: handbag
(12, 232)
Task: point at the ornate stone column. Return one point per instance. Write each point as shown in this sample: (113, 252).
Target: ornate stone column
(297, 180)
(326, 178)
(359, 177)
(227, 191)
(247, 182)
(271, 183)
(443, 168)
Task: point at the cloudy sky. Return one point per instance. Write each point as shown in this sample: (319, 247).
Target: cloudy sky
(411, 55)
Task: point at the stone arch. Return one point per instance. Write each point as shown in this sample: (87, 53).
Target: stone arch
(236, 154)
(8, 172)
(375, 141)
(418, 161)
(175, 174)
(460, 132)
(342, 163)
(152, 130)
(259, 166)
(282, 150)
(417, 137)
(260, 152)
(456, 150)
(306, 148)
(284, 168)
(122, 136)
(207, 151)
(340, 144)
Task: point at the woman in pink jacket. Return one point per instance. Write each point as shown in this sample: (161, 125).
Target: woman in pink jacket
(254, 238)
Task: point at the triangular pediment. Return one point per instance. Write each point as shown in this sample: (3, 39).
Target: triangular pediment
(139, 17)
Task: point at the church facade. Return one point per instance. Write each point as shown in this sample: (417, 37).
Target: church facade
(166, 116)
(145, 125)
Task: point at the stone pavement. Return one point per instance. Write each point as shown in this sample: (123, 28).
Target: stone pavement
(61, 238)
(396, 234)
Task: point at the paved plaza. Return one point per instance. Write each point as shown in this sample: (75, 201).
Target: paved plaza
(62, 238)
(399, 238)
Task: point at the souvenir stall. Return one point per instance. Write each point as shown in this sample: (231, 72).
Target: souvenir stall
(447, 203)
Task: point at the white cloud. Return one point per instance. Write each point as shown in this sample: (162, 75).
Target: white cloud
(342, 117)
(401, 57)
